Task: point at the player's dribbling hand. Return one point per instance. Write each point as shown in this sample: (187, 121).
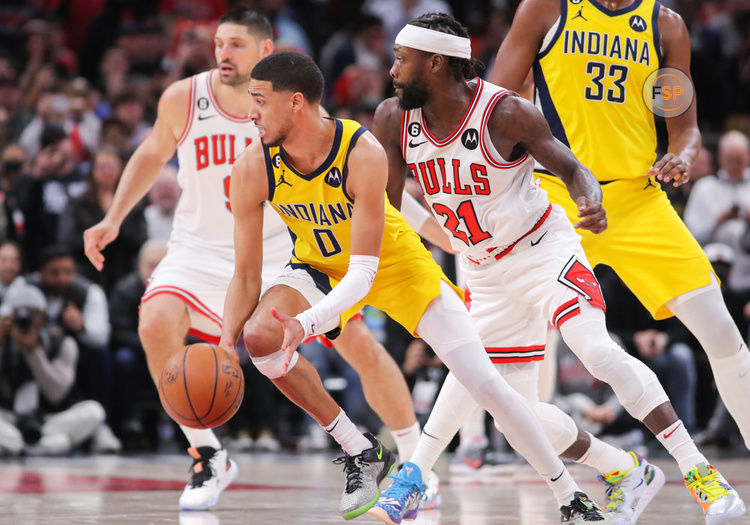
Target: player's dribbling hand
(671, 168)
(95, 239)
(593, 217)
(293, 336)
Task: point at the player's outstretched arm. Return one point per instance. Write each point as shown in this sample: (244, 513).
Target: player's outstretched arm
(142, 169)
(247, 191)
(386, 127)
(515, 123)
(522, 43)
(684, 135)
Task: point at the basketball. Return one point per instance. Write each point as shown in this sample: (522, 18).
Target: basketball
(201, 386)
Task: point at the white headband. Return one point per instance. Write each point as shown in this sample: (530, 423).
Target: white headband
(434, 41)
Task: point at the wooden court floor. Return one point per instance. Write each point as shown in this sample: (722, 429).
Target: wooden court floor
(293, 489)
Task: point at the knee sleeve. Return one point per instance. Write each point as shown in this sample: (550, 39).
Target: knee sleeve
(635, 385)
(560, 428)
(272, 365)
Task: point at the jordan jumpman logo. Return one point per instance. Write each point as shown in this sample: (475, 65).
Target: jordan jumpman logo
(580, 15)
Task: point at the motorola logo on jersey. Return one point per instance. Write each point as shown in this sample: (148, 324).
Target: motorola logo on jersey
(637, 23)
(276, 160)
(470, 138)
(415, 129)
(202, 103)
(333, 178)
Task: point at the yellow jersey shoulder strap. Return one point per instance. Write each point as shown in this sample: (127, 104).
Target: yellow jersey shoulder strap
(346, 135)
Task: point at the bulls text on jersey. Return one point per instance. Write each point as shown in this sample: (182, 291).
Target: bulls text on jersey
(217, 149)
(426, 173)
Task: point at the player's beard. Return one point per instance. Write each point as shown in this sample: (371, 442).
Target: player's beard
(413, 96)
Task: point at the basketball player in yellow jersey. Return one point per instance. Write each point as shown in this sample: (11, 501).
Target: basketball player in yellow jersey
(327, 179)
(590, 61)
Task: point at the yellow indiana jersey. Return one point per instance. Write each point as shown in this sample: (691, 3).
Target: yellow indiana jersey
(318, 213)
(588, 79)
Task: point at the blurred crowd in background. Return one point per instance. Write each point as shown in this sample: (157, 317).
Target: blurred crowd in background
(79, 85)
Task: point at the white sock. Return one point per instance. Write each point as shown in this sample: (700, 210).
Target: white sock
(605, 458)
(562, 486)
(472, 432)
(201, 437)
(452, 406)
(346, 434)
(406, 441)
(679, 444)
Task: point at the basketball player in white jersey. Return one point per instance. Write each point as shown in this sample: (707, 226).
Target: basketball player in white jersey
(204, 119)
(470, 144)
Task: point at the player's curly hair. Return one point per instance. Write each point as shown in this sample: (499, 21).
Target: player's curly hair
(463, 68)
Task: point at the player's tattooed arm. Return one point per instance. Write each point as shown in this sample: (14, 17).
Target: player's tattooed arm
(684, 135)
(247, 192)
(387, 129)
(517, 127)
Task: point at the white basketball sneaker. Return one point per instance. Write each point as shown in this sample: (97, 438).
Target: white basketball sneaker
(212, 472)
(431, 499)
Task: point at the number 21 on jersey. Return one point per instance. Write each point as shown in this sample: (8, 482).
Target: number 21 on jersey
(464, 214)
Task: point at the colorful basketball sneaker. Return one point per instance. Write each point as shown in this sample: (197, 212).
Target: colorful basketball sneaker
(401, 500)
(629, 492)
(364, 472)
(718, 499)
(212, 472)
(582, 510)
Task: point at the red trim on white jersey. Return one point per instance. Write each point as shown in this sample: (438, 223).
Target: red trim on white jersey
(215, 102)
(457, 131)
(516, 354)
(188, 298)
(209, 338)
(404, 120)
(566, 311)
(507, 250)
(500, 164)
(191, 112)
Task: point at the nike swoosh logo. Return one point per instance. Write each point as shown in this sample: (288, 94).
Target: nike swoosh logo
(204, 117)
(558, 476)
(639, 484)
(380, 452)
(539, 239)
(428, 434)
(413, 144)
(665, 436)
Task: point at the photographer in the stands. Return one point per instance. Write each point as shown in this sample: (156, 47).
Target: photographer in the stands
(38, 412)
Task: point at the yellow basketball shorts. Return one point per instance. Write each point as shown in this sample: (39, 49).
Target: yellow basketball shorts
(646, 242)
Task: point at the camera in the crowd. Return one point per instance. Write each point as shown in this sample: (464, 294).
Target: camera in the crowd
(22, 318)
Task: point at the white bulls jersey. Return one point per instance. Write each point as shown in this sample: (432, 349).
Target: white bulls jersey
(208, 147)
(485, 203)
